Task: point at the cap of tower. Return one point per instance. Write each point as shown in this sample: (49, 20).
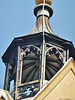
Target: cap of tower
(39, 12)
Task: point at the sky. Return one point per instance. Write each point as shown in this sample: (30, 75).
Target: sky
(17, 19)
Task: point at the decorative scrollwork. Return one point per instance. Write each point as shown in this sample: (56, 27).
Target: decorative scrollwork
(28, 90)
(54, 61)
(30, 63)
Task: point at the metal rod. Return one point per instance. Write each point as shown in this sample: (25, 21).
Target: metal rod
(21, 71)
(17, 70)
(43, 54)
(7, 78)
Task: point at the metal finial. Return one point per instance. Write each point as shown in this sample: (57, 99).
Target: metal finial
(41, 1)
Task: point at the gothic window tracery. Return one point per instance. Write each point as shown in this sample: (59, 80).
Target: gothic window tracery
(54, 61)
(30, 70)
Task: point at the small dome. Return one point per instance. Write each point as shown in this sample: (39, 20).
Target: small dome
(41, 1)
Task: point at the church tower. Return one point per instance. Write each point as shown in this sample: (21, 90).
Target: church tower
(32, 60)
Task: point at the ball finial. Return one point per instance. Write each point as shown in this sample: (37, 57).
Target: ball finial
(41, 1)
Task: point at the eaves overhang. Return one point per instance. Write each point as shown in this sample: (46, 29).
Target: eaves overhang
(36, 39)
(21, 41)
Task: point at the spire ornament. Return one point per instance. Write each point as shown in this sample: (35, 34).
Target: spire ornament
(46, 1)
(39, 12)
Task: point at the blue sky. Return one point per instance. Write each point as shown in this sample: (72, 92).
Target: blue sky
(17, 19)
